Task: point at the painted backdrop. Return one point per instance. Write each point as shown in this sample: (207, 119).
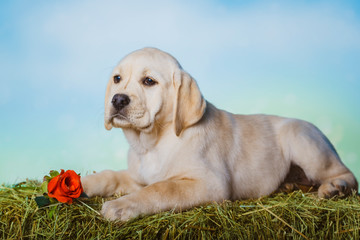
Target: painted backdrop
(297, 59)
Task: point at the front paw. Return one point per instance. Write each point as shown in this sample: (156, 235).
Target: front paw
(120, 209)
(89, 185)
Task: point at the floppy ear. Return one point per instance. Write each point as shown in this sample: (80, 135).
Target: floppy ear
(189, 103)
(107, 123)
(108, 126)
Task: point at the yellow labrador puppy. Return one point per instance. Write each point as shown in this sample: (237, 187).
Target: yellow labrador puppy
(185, 152)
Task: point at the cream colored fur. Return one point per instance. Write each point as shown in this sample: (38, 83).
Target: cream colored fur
(185, 152)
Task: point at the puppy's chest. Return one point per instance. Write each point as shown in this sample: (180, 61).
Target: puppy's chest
(153, 167)
(157, 163)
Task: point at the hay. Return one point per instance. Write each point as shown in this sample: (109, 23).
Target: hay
(281, 216)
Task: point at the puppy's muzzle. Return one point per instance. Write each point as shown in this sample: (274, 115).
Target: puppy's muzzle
(120, 101)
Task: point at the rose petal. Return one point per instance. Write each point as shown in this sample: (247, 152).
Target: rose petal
(53, 184)
(63, 199)
(65, 186)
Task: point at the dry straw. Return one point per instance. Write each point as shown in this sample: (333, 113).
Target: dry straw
(282, 216)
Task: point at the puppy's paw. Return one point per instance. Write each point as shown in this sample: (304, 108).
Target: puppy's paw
(86, 184)
(90, 185)
(119, 209)
(337, 187)
(102, 184)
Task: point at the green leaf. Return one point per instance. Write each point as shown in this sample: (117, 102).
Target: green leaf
(44, 186)
(42, 201)
(47, 178)
(83, 195)
(53, 173)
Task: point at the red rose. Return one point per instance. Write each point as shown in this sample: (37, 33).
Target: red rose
(65, 186)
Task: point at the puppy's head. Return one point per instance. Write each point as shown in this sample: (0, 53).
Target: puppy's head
(149, 89)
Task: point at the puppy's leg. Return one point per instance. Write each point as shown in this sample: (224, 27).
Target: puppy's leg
(107, 183)
(341, 185)
(161, 196)
(307, 147)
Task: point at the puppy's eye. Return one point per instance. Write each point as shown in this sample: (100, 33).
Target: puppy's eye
(149, 81)
(117, 78)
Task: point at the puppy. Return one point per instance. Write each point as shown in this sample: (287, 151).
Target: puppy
(185, 152)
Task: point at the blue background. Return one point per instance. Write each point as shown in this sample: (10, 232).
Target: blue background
(296, 59)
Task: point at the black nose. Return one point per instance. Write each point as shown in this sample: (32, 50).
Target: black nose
(119, 101)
